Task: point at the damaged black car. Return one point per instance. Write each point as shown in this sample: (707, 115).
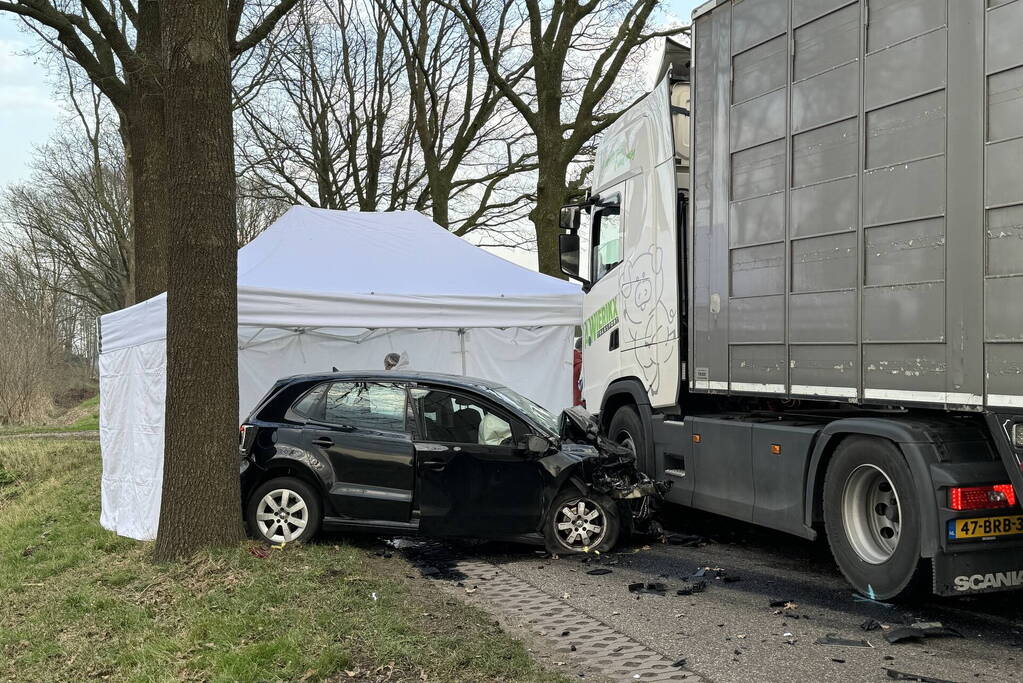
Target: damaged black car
(438, 455)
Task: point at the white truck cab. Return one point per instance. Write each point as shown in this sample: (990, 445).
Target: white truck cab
(630, 225)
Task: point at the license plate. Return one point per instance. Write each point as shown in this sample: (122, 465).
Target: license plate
(985, 527)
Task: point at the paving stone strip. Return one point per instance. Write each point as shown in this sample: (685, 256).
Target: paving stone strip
(599, 647)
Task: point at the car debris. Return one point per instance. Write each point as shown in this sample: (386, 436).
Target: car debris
(649, 588)
(833, 641)
(921, 630)
(870, 625)
(784, 604)
(684, 540)
(599, 571)
(696, 587)
(902, 676)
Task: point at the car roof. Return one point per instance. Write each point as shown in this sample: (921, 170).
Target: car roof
(396, 376)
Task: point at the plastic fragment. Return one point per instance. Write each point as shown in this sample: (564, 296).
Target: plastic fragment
(870, 625)
(599, 571)
(902, 676)
(921, 630)
(831, 640)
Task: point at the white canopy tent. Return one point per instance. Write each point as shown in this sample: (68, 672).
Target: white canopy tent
(321, 289)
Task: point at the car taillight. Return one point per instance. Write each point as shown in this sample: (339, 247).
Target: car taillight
(246, 433)
(981, 497)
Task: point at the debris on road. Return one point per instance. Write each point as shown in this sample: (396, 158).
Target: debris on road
(684, 540)
(831, 640)
(784, 604)
(697, 587)
(902, 676)
(870, 625)
(863, 598)
(599, 571)
(921, 630)
(650, 588)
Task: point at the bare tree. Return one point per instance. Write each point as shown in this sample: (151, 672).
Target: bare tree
(199, 506)
(557, 62)
(328, 127)
(118, 45)
(75, 212)
(471, 139)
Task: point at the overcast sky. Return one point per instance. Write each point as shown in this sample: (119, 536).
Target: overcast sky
(29, 113)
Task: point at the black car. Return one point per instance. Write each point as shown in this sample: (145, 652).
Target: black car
(432, 454)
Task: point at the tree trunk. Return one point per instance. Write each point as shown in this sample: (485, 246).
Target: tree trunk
(550, 195)
(146, 150)
(200, 505)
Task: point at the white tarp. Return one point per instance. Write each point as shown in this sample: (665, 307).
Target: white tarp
(321, 289)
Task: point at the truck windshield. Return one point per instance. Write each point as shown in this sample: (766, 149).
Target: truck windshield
(607, 238)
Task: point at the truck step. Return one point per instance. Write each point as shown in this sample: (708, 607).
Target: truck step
(675, 473)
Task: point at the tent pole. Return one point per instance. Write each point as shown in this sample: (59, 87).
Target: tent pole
(461, 343)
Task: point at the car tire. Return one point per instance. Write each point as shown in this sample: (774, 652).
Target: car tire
(872, 518)
(581, 538)
(302, 513)
(626, 429)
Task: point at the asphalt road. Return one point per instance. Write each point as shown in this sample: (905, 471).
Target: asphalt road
(730, 633)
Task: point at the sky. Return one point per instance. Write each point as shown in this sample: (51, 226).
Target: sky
(29, 113)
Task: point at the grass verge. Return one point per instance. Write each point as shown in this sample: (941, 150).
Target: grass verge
(80, 602)
(85, 418)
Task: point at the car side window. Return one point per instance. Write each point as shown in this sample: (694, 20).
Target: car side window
(366, 405)
(453, 418)
(310, 405)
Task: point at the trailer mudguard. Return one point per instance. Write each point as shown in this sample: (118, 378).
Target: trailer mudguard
(913, 439)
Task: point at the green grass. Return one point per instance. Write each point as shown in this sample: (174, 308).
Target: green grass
(80, 602)
(87, 423)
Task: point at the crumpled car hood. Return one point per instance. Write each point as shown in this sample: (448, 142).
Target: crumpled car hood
(608, 467)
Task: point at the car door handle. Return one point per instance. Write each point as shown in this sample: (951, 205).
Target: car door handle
(323, 442)
(435, 465)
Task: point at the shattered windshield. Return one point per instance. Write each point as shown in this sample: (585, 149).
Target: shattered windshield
(539, 415)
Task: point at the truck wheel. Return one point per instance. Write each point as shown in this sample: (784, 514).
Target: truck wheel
(872, 517)
(580, 523)
(284, 510)
(626, 429)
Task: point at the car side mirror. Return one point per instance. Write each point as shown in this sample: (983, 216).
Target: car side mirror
(534, 444)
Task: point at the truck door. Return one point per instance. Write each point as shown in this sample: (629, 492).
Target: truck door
(601, 336)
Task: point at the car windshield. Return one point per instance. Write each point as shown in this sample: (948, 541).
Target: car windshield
(537, 413)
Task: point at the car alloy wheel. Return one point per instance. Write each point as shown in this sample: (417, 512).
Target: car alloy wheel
(282, 516)
(871, 514)
(580, 524)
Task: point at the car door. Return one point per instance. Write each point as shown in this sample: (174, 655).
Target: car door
(473, 478)
(363, 431)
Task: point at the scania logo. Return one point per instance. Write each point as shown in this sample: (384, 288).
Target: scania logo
(981, 581)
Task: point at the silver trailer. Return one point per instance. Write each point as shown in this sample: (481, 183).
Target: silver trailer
(857, 201)
(803, 258)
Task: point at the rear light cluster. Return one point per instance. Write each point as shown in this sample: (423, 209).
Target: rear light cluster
(981, 497)
(246, 434)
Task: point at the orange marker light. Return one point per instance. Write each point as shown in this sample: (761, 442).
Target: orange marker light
(696, 438)
(775, 449)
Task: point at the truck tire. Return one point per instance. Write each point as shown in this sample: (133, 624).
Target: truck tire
(626, 429)
(872, 518)
(284, 510)
(581, 523)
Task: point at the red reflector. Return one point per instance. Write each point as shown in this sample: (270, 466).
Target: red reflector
(982, 497)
